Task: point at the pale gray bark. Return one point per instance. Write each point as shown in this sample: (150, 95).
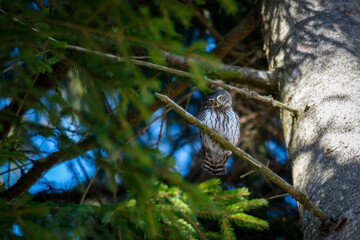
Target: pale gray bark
(316, 45)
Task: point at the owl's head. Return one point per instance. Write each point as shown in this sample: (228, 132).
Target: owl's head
(218, 100)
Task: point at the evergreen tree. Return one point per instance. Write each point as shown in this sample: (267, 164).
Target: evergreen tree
(81, 76)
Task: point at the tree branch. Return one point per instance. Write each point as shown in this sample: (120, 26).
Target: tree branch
(9, 114)
(240, 32)
(208, 26)
(44, 164)
(89, 185)
(217, 36)
(246, 92)
(176, 88)
(39, 4)
(296, 194)
(248, 76)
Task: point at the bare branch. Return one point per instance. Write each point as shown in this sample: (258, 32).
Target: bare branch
(241, 31)
(177, 88)
(12, 67)
(161, 129)
(249, 76)
(217, 36)
(208, 26)
(142, 131)
(88, 187)
(247, 174)
(39, 4)
(251, 94)
(296, 194)
(278, 196)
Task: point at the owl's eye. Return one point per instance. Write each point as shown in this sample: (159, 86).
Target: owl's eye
(220, 98)
(211, 101)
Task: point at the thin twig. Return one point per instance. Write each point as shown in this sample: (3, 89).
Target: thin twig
(250, 76)
(14, 169)
(26, 95)
(44, 164)
(142, 131)
(278, 196)
(189, 98)
(296, 194)
(39, 4)
(202, 236)
(12, 67)
(248, 173)
(161, 128)
(208, 26)
(89, 185)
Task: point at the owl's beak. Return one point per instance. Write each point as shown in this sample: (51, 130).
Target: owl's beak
(217, 104)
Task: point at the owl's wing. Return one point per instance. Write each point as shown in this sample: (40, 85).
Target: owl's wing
(200, 114)
(238, 128)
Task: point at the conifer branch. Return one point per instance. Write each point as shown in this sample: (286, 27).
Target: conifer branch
(225, 228)
(207, 25)
(296, 194)
(217, 36)
(242, 30)
(249, 76)
(251, 94)
(245, 92)
(40, 166)
(202, 236)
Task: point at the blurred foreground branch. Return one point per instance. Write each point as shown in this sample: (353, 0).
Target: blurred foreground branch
(296, 194)
(42, 165)
(249, 76)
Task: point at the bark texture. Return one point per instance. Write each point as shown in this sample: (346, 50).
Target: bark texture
(316, 46)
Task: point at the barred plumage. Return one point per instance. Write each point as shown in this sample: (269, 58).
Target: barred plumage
(217, 113)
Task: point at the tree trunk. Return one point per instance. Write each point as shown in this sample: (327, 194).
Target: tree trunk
(316, 46)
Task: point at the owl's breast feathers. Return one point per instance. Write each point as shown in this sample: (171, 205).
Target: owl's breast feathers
(226, 123)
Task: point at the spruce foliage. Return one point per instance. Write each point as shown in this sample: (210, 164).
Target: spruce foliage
(167, 212)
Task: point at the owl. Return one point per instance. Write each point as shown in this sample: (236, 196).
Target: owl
(217, 113)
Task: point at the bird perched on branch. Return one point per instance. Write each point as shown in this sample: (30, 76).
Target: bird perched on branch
(217, 113)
